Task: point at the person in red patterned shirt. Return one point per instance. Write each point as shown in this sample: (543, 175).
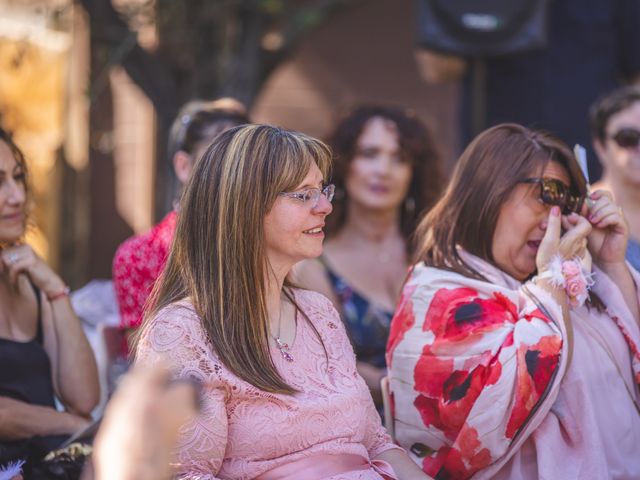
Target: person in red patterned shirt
(139, 260)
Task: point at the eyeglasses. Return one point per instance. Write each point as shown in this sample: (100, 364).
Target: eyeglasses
(628, 138)
(311, 196)
(554, 192)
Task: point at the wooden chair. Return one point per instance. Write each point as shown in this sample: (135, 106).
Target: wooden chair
(386, 405)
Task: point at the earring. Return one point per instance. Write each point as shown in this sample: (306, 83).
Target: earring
(409, 206)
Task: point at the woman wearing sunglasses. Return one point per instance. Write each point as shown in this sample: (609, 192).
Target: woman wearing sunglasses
(281, 398)
(514, 351)
(615, 125)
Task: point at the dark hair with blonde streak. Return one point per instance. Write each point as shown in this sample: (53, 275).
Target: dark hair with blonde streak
(218, 257)
(487, 172)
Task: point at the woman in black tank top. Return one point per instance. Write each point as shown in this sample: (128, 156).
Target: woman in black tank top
(43, 351)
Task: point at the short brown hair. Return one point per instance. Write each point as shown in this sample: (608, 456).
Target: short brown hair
(484, 177)
(608, 105)
(196, 118)
(417, 145)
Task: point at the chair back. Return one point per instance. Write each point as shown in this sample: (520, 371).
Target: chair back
(386, 405)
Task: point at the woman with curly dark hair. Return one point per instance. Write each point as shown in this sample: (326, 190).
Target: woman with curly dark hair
(386, 172)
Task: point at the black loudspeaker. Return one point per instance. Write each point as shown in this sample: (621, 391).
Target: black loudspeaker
(482, 28)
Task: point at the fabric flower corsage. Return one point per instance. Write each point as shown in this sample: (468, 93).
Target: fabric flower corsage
(569, 275)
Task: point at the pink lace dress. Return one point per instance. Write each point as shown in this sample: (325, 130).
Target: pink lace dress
(243, 432)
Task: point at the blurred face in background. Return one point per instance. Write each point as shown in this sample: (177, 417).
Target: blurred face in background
(183, 161)
(623, 161)
(12, 196)
(379, 174)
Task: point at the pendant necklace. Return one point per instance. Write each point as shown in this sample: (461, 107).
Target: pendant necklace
(285, 349)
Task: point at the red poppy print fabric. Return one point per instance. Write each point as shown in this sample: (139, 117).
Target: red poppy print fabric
(469, 362)
(137, 264)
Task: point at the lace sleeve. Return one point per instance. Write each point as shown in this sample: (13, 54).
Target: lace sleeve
(174, 337)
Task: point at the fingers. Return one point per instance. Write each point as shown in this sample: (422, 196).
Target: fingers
(604, 210)
(552, 234)
(608, 217)
(605, 213)
(180, 404)
(141, 424)
(602, 200)
(598, 194)
(574, 242)
(549, 243)
(17, 260)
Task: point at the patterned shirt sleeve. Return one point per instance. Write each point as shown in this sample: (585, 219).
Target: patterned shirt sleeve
(137, 264)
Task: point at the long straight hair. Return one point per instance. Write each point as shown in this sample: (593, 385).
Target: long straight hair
(218, 257)
(487, 172)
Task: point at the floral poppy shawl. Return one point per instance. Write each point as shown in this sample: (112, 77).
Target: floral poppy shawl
(474, 367)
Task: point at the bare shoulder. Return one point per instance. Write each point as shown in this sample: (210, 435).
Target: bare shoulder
(308, 273)
(312, 275)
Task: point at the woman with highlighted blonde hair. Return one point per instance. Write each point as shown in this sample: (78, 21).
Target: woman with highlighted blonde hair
(282, 398)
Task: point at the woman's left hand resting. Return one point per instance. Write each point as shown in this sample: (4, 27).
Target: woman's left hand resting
(19, 259)
(610, 233)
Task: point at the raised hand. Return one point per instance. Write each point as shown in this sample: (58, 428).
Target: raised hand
(610, 233)
(21, 259)
(570, 245)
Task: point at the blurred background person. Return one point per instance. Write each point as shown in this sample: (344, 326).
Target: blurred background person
(387, 172)
(139, 260)
(281, 394)
(43, 352)
(615, 127)
(140, 429)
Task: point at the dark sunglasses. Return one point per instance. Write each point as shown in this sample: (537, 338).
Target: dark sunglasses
(627, 138)
(554, 192)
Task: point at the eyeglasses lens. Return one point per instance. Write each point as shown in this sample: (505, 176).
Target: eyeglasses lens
(313, 194)
(555, 192)
(329, 191)
(627, 138)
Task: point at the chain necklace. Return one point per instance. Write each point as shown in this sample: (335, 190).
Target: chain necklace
(285, 349)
